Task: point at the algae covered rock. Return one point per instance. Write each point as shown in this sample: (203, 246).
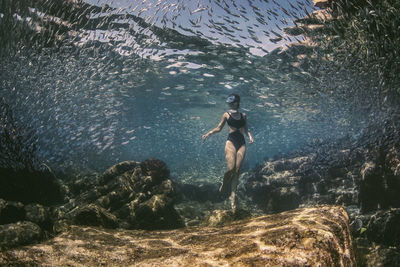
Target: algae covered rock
(40, 215)
(277, 185)
(129, 195)
(20, 233)
(219, 218)
(384, 227)
(23, 224)
(224, 217)
(382, 256)
(157, 213)
(325, 177)
(94, 216)
(318, 236)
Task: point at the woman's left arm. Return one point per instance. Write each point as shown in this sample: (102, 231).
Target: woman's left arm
(246, 130)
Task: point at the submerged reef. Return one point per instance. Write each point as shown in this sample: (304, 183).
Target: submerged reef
(362, 177)
(302, 192)
(130, 195)
(302, 237)
(334, 202)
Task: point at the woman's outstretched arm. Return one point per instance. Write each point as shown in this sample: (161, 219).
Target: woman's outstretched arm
(217, 129)
(246, 130)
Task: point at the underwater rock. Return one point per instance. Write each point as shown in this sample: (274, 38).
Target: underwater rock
(276, 185)
(81, 184)
(18, 234)
(392, 161)
(371, 254)
(219, 218)
(11, 212)
(382, 256)
(117, 170)
(330, 177)
(31, 187)
(380, 180)
(39, 215)
(94, 216)
(199, 192)
(139, 195)
(317, 236)
(19, 218)
(157, 213)
(364, 177)
(371, 187)
(384, 227)
(224, 217)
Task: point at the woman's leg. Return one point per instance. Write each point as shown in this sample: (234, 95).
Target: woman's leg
(230, 155)
(235, 179)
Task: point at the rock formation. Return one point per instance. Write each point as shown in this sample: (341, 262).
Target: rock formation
(319, 178)
(361, 176)
(27, 200)
(364, 176)
(131, 195)
(318, 236)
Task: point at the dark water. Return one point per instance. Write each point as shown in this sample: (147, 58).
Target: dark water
(140, 79)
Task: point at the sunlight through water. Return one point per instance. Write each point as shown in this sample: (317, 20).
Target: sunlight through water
(100, 82)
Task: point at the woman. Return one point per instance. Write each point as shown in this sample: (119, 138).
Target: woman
(235, 147)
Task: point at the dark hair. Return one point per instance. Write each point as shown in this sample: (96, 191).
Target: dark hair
(233, 98)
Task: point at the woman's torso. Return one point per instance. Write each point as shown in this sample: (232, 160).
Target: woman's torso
(236, 122)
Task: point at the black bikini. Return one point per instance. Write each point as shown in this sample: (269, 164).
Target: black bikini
(236, 137)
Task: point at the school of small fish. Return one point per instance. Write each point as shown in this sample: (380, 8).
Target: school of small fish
(136, 79)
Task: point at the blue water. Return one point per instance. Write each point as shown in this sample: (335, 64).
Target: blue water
(105, 96)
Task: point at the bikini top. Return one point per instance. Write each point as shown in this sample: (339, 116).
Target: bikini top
(236, 123)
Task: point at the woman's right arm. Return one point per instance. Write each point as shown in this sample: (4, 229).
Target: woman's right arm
(217, 129)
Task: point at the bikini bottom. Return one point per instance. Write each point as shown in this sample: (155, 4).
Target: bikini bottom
(237, 139)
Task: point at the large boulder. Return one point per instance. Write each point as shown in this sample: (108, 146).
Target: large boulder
(371, 186)
(382, 256)
(318, 236)
(128, 195)
(31, 187)
(380, 180)
(18, 234)
(384, 227)
(277, 185)
(392, 174)
(23, 224)
(12, 212)
(331, 177)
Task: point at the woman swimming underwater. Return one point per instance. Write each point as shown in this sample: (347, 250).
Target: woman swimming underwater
(235, 147)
